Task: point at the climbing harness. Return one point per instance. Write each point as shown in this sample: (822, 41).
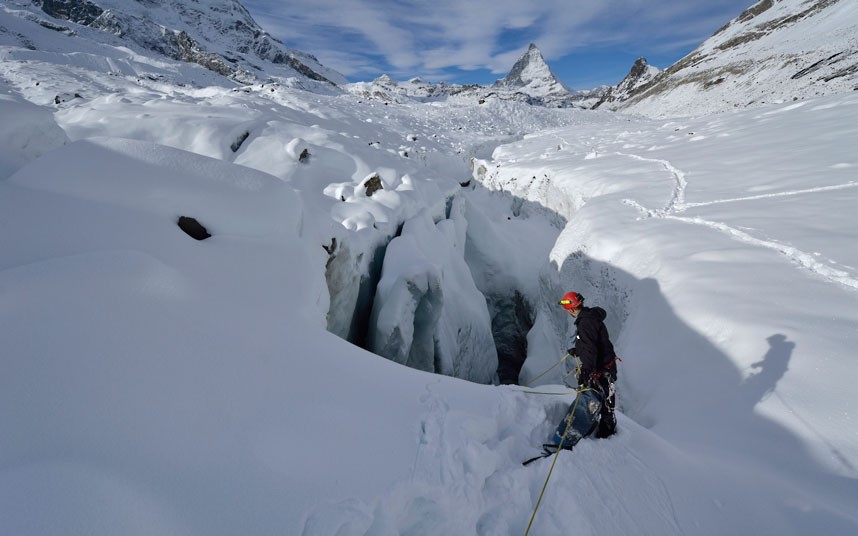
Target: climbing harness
(599, 373)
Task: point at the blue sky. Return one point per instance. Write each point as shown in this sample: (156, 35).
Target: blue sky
(587, 43)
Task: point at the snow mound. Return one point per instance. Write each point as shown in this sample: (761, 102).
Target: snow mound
(144, 176)
(28, 132)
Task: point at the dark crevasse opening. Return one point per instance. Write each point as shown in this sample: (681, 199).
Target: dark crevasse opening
(428, 316)
(352, 278)
(511, 321)
(489, 350)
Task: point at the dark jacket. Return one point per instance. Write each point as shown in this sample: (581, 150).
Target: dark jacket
(592, 343)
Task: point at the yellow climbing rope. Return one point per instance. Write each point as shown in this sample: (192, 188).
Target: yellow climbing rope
(531, 382)
(556, 454)
(547, 393)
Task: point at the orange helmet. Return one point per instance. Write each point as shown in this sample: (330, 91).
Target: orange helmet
(571, 300)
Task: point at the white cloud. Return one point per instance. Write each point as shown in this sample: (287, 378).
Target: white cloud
(416, 37)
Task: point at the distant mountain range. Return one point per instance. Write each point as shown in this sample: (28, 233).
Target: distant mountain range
(530, 80)
(217, 34)
(777, 50)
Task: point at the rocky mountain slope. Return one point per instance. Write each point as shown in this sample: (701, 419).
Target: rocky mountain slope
(385, 88)
(775, 51)
(220, 35)
(640, 74)
(531, 75)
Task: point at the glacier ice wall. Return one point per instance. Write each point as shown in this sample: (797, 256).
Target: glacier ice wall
(428, 313)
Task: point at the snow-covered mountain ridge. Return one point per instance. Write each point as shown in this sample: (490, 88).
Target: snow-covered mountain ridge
(530, 74)
(530, 81)
(775, 51)
(639, 75)
(220, 35)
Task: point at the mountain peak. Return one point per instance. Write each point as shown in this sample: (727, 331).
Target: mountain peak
(773, 51)
(531, 72)
(639, 75)
(219, 35)
(385, 79)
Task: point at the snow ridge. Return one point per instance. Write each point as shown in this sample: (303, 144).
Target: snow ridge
(776, 51)
(532, 75)
(530, 81)
(220, 35)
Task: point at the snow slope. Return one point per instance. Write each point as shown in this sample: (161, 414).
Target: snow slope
(219, 35)
(151, 383)
(722, 246)
(776, 51)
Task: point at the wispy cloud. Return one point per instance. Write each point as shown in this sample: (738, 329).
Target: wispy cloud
(368, 37)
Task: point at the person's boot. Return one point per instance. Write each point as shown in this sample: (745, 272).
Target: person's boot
(607, 427)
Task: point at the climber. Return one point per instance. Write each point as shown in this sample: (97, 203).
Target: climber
(595, 353)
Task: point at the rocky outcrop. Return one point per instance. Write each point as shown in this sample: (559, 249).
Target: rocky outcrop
(78, 11)
(220, 36)
(640, 74)
(774, 51)
(193, 228)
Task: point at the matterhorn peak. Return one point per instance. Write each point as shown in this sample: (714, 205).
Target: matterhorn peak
(531, 72)
(385, 79)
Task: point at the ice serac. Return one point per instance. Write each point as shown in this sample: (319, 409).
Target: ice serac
(220, 35)
(428, 313)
